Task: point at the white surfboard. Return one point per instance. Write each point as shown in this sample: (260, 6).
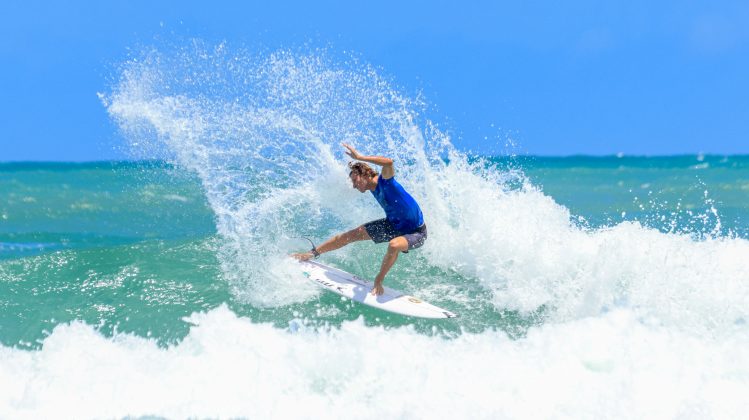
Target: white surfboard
(357, 289)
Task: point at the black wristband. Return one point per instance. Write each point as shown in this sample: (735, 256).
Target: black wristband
(315, 252)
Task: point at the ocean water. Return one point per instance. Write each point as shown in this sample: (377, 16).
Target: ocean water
(587, 287)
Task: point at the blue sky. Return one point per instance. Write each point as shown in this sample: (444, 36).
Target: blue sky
(558, 78)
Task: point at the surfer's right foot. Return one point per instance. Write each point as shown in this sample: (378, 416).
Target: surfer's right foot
(377, 290)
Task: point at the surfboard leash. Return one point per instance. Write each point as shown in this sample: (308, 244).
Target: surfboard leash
(314, 250)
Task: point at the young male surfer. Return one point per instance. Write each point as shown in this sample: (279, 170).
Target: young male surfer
(403, 226)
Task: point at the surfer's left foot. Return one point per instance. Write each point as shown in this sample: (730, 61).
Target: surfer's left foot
(302, 256)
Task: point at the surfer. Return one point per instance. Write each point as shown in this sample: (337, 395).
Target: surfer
(402, 228)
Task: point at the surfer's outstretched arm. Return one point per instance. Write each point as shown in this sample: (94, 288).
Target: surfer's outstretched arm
(387, 164)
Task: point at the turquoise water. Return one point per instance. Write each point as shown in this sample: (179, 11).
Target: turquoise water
(698, 194)
(132, 246)
(161, 287)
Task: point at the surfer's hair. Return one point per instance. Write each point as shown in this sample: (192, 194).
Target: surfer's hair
(361, 169)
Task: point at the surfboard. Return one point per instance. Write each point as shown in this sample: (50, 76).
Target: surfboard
(357, 289)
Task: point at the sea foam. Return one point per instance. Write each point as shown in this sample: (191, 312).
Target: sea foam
(611, 366)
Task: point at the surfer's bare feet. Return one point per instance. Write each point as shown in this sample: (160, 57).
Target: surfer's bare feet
(302, 256)
(377, 290)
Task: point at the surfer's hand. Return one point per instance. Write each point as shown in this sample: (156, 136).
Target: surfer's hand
(351, 151)
(302, 256)
(377, 290)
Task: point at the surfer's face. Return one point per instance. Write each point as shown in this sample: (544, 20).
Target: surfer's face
(358, 182)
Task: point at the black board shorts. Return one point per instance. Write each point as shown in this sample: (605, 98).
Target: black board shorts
(383, 231)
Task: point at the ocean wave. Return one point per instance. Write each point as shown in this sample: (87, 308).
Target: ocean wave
(613, 366)
(262, 134)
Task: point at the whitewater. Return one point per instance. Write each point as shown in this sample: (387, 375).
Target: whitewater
(560, 317)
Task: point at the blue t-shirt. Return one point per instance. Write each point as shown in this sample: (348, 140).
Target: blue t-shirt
(400, 208)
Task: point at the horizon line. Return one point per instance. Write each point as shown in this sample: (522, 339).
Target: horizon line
(502, 156)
